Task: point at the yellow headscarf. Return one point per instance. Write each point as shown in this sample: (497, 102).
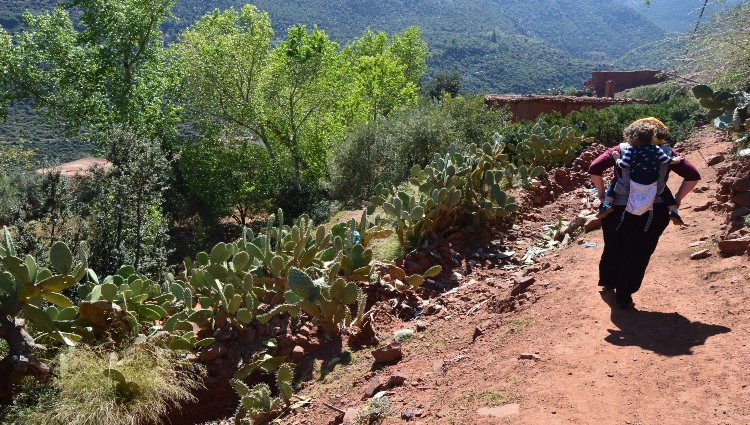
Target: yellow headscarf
(652, 120)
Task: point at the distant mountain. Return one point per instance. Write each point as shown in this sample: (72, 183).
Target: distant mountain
(537, 44)
(676, 16)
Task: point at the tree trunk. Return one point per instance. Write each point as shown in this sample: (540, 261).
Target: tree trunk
(19, 359)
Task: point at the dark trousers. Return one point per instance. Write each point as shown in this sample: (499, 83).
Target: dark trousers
(628, 246)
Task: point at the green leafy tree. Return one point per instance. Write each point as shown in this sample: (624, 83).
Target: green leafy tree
(109, 72)
(222, 58)
(230, 178)
(127, 224)
(300, 86)
(722, 50)
(384, 75)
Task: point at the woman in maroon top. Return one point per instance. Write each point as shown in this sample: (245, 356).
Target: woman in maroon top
(630, 240)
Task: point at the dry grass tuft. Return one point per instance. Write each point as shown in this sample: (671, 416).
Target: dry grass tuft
(154, 380)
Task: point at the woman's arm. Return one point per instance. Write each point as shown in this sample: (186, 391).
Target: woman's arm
(599, 165)
(599, 185)
(689, 173)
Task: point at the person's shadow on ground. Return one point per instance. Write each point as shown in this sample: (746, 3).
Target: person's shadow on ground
(668, 334)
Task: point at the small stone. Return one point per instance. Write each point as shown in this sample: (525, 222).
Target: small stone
(500, 412)
(214, 351)
(403, 334)
(611, 375)
(734, 246)
(421, 326)
(249, 335)
(397, 379)
(715, 159)
(522, 283)
(694, 244)
(388, 353)
(704, 253)
(437, 365)
(350, 415)
(287, 341)
(373, 387)
(477, 333)
(298, 352)
(592, 224)
(741, 185)
(528, 356)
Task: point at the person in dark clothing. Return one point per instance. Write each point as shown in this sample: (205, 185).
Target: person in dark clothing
(629, 239)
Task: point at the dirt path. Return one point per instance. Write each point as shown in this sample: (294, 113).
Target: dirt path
(681, 357)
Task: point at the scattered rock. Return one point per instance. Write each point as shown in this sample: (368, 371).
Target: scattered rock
(298, 352)
(403, 334)
(740, 212)
(742, 199)
(741, 185)
(529, 356)
(734, 246)
(373, 387)
(249, 335)
(477, 333)
(522, 283)
(704, 207)
(388, 353)
(437, 365)
(214, 351)
(398, 378)
(694, 244)
(715, 159)
(350, 415)
(704, 253)
(500, 412)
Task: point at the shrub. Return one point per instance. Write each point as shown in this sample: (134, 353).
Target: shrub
(135, 386)
(383, 151)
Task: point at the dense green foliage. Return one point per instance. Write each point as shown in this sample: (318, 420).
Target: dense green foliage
(383, 151)
(679, 113)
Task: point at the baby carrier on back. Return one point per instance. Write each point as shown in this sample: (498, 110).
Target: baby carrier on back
(640, 198)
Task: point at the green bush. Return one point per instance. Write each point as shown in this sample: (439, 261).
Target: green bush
(383, 151)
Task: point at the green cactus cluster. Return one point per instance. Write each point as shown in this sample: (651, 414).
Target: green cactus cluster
(446, 190)
(26, 285)
(257, 404)
(279, 267)
(729, 111)
(546, 145)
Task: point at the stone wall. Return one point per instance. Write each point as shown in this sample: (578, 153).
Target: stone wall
(529, 107)
(622, 80)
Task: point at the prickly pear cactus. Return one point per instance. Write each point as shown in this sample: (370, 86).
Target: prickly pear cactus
(547, 146)
(446, 191)
(728, 111)
(257, 404)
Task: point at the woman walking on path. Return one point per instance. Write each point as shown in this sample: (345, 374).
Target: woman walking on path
(630, 240)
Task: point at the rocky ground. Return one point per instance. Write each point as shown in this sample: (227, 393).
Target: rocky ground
(511, 337)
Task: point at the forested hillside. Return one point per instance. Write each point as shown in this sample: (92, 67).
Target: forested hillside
(551, 34)
(497, 46)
